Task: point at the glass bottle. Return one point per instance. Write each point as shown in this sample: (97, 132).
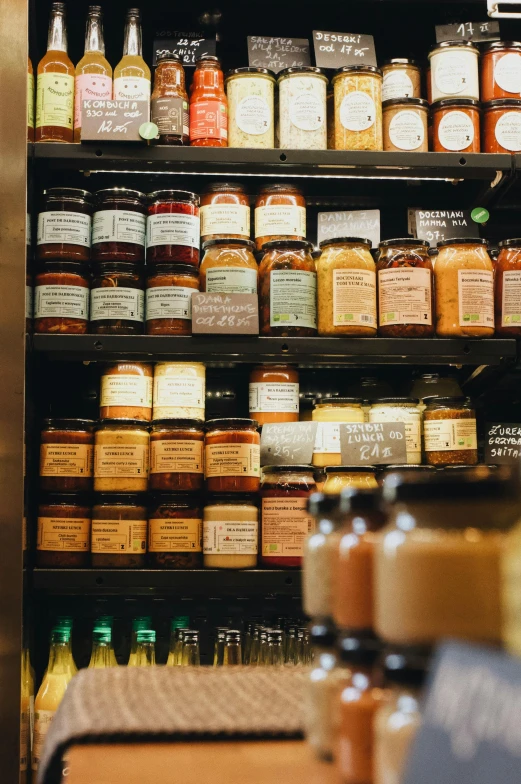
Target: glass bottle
(208, 105)
(26, 717)
(322, 693)
(132, 74)
(220, 642)
(93, 72)
(275, 647)
(304, 655)
(30, 101)
(101, 648)
(178, 625)
(191, 656)
(248, 637)
(55, 84)
(107, 622)
(138, 624)
(255, 645)
(290, 653)
(232, 647)
(169, 103)
(146, 648)
(263, 658)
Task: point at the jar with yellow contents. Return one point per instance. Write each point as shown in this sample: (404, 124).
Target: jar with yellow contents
(330, 413)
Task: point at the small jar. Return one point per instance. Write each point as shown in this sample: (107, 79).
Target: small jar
(228, 267)
(406, 410)
(126, 391)
(64, 523)
(319, 557)
(231, 532)
(117, 300)
(119, 532)
(169, 290)
(288, 289)
(119, 225)
(208, 105)
(175, 535)
(285, 520)
(66, 455)
(121, 456)
(232, 456)
(405, 289)
(274, 394)
(302, 108)
(456, 125)
(173, 227)
(169, 101)
(500, 70)
(280, 213)
(358, 108)
(449, 427)
(179, 390)
(454, 70)
(64, 225)
(61, 298)
(329, 413)
(507, 294)
(401, 79)
(502, 125)
(405, 125)
(177, 455)
(251, 107)
(340, 478)
(225, 212)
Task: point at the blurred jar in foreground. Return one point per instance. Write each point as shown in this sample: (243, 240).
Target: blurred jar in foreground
(319, 553)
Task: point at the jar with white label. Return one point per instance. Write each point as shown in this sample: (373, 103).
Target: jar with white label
(251, 105)
(286, 522)
(126, 391)
(456, 125)
(121, 456)
(230, 532)
(454, 70)
(401, 79)
(507, 294)
(61, 298)
(169, 299)
(119, 225)
(225, 212)
(280, 214)
(329, 413)
(117, 300)
(288, 289)
(405, 289)
(406, 410)
(232, 456)
(405, 125)
(501, 70)
(464, 276)
(64, 225)
(179, 390)
(274, 394)
(173, 227)
(358, 108)
(228, 267)
(302, 108)
(119, 531)
(502, 125)
(450, 432)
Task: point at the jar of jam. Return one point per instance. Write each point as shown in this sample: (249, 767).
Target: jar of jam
(286, 521)
(288, 289)
(450, 432)
(169, 299)
(173, 229)
(501, 70)
(456, 125)
(228, 267)
(232, 456)
(454, 70)
(507, 294)
(119, 225)
(119, 531)
(208, 104)
(64, 224)
(64, 523)
(405, 289)
(61, 298)
(225, 212)
(117, 300)
(121, 456)
(175, 532)
(502, 125)
(230, 532)
(66, 455)
(169, 101)
(280, 213)
(274, 394)
(176, 455)
(401, 79)
(126, 391)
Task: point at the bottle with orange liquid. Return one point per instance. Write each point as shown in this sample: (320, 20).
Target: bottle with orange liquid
(55, 84)
(208, 105)
(93, 72)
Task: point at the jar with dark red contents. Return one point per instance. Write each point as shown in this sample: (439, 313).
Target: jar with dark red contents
(405, 289)
(173, 227)
(507, 284)
(175, 532)
(64, 224)
(232, 456)
(66, 455)
(117, 303)
(288, 289)
(119, 531)
(169, 299)
(64, 523)
(456, 125)
(177, 455)
(119, 225)
(169, 101)
(61, 298)
(501, 70)
(280, 213)
(502, 125)
(225, 212)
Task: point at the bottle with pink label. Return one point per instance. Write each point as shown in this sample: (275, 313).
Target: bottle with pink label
(93, 72)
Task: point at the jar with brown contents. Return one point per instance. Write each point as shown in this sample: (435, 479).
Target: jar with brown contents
(502, 125)
(61, 299)
(64, 225)
(288, 289)
(119, 532)
(405, 289)
(280, 213)
(119, 225)
(176, 455)
(228, 267)
(169, 299)
(405, 125)
(449, 425)
(175, 532)
(121, 456)
(232, 456)
(126, 391)
(401, 79)
(63, 532)
(225, 212)
(66, 455)
(507, 295)
(117, 300)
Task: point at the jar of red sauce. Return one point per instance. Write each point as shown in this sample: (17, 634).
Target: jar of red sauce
(169, 299)
(274, 394)
(456, 125)
(61, 298)
(232, 456)
(67, 455)
(64, 523)
(119, 225)
(280, 214)
(173, 228)
(64, 225)
(507, 289)
(176, 455)
(208, 105)
(501, 70)
(225, 212)
(502, 125)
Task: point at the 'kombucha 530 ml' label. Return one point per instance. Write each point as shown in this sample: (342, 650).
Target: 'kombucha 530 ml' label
(285, 525)
(172, 456)
(63, 533)
(476, 298)
(444, 435)
(119, 536)
(66, 459)
(121, 390)
(232, 460)
(174, 535)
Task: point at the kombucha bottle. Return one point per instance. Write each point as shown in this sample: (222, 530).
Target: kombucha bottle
(55, 84)
(93, 72)
(132, 74)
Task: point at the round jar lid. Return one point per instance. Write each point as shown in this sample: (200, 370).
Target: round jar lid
(280, 188)
(512, 243)
(497, 46)
(462, 241)
(124, 193)
(57, 265)
(367, 69)
(322, 504)
(408, 400)
(178, 424)
(349, 469)
(405, 102)
(121, 421)
(128, 499)
(299, 70)
(407, 467)
(68, 193)
(171, 195)
(162, 268)
(231, 241)
(230, 423)
(452, 45)
(502, 103)
(285, 469)
(68, 424)
(168, 57)
(407, 241)
(407, 666)
(321, 400)
(208, 58)
(66, 499)
(231, 498)
(340, 240)
(102, 268)
(250, 70)
(353, 499)
(473, 484)
(287, 245)
(223, 187)
(321, 635)
(456, 103)
(401, 61)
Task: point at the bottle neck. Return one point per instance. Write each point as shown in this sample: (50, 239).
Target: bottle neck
(94, 36)
(191, 654)
(58, 658)
(132, 44)
(57, 39)
(100, 656)
(208, 77)
(145, 654)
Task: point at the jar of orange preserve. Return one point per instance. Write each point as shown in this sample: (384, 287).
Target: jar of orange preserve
(274, 394)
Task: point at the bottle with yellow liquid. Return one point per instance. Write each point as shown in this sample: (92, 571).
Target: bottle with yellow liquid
(107, 622)
(138, 624)
(132, 74)
(93, 73)
(101, 647)
(55, 84)
(66, 622)
(146, 648)
(178, 626)
(26, 715)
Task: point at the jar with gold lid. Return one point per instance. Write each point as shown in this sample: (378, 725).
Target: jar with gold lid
(340, 478)
(329, 413)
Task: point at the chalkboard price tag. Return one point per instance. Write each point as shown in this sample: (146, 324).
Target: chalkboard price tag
(355, 223)
(334, 50)
(373, 444)
(468, 31)
(189, 47)
(437, 225)
(117, 121)
(225, 314)
(503, 442)
(276, 54)
(288, 443)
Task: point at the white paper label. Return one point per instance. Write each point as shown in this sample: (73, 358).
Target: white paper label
(357, 111)
(268, 396)
(456, 131)
(231, 280)
(64, 301)
(354, 297)
(445, 435)
(174, 535)
(508, 131)
(136, 88)
(172, 302)
(173, 230)
(453, 73)
(179, 392)
(405, 296)
(327, 440)
(406, 130)
(225, 219)
(253, 115)
(280, 221)
(293, 298)
(117, 303)
(118, 226)
(507, 73)
(511, 303)
(476, 298)
(71, 228)
(307, 112)
(396, 414)
(397, 84)
(42, 721)
(230, 538)
(123, 390)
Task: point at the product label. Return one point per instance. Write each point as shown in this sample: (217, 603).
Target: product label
(54, 100)
(507, 73)
(511, 302)
(280, 220)
(357, 111)
(293, 299)
(307, 112)
(453, 72)
(171, 116)
(120, 536)
(327, 439)
(123, 390)
(30, 100)
(182, 392)
(285, 525)
(397, 84)
(71, 228)
(405, 296)
(456, 131)
(267, 396)
(95, 86)
(231, 280)
(508, 131)
(118, 226)
(406, 130)
(445, 435)
(176, 457)
(225, 219)
(354, 297)
(66, 459)
(42, 722)
(174, 535)
(253, 115)
(209, 120)
(230, 538)
(476, 298)
(24, 739)
(121, 460)
(135, 88)
(117, 303)
(169, 302)
(63, 533)
(29, 302)
(231, 460)
(412, 426)
(65, 301)
(173, 230)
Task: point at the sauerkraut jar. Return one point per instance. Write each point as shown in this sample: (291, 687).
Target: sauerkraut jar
(251, 120)
(358, 108)
(302, 108)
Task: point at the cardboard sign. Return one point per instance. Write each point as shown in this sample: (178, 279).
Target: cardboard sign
(289, 443)
(117, 121)
(333, 50)
(225, 314)
(189, 47)
(277, 53)
(468, 31)
(350, 223)
(437, 225)
(373, 444)
(503, 442)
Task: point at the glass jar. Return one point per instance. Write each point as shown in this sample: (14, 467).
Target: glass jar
(274, 394)
(225, 212)
(117, 299)
(456, 125)
(302, 108)
(63, 539)
(329, 413)
(346, 281)
(319, 557)
(61, 298)
(502, 125)
(433, 385)
(405, 289)
(464, 276)
(228, 267)
(251, 108)
(450, 433)
(175, 525)
(330, 104)
(169, 290)
(121, 456)
(64, 225)
(285, 520)
(288, 289)
(454, 70)
(340, 478)
(119, 225)
(406, 410)
(126, 391)
(232, 456)
(173, 227)
(405, 125)
(230, 532)
(405, 468)
(119, 532)
(66, 455)
(280, 213)
(500, 70)
(169, 101)
(401, 79)
(358, 108)
(507, 282)
(179, 390)
(176, 455)
(208, 106)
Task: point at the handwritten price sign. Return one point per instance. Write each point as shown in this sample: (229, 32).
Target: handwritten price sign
(229, 314)
(113, 120)
(334, 50)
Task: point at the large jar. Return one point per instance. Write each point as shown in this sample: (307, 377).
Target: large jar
(280, 213)
(232, 456)
(274, 394)
(119, 532)
(405, 289)
(405, 125)
(169, 290)
(329, 413)
(288, 289)
(179, 390)
(64, 224)
(251, 108)
(121, 456)
(117, 299)
(61, 298)
(319, 557)
(63, 538)
(228, 267)
(230, 532)
(358, 108)
(302, 108)
(406, 410)
(175, 532)
(126, 391)
(225, 212)
(173, 227)
(501, 70)
(177, 455)
(208, 106)
(346, 281)
(286, 521)
(119, 225)
(401, 79)
(502, 125)
(66, 455)
(464, 276)
(507, 295)
(450, 432)
(454, 70)
(340, 478)
(456, 125)
(169, 101)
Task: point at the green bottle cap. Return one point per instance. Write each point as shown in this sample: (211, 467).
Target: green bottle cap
(141, 622)
(101, 636)
(66, 621)
(146, 635)
(60, 635)
(180, 622)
